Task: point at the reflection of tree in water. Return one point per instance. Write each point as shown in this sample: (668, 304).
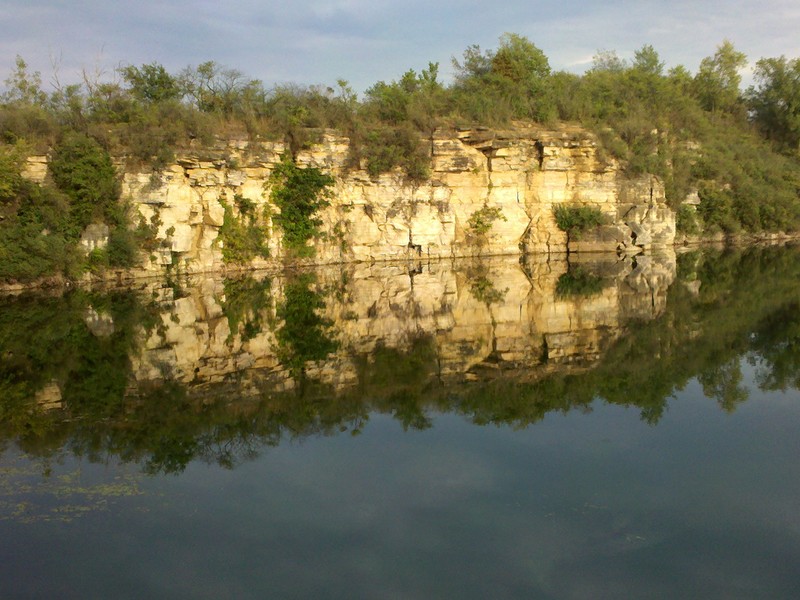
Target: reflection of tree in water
(776, 345)
(724, 384)
(578, 282)
(304, 335)
(401, 383)
(247, 301)
(482, 288)
(47, 342)
(746, 306)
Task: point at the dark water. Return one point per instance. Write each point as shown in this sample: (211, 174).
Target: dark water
(600, 429)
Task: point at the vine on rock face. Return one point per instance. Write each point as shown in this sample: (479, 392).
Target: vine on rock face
(299, 193)
(243, 238)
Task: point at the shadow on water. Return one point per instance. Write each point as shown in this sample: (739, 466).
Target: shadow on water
(227, 368)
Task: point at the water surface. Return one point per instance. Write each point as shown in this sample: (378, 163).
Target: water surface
(598, 428)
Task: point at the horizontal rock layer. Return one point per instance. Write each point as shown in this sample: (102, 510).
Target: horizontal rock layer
(520, 175)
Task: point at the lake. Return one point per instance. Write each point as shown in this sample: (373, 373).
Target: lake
(591, 427)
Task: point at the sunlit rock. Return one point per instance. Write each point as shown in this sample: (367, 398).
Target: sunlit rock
(522, 173)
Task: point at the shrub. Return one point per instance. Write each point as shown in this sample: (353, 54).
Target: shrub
(33, 232)
(243, 238)
(122, 248)
(576, 219)
(480, 222)
(83, 170)
(716, 209)
(386, 148)
(686, 220)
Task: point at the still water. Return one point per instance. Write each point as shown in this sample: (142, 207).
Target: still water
(596, 428)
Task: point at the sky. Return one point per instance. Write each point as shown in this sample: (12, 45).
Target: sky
(365, 41)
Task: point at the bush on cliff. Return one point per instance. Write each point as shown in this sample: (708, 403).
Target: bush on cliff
(244, 237)
(576, 219)
(83, 170)
(299, 193)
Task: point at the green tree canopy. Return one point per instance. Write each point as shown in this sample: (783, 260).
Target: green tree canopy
(151, 83)
(718, 79)
(510, 82)
(775, 102)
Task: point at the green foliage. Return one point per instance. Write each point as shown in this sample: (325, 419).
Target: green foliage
(151, 83)
(690, 130)
(244, 237)
(480, 222)
(509, 83)
(27, 254)
(214, 88)
(744, 185)
(83, 170)
(775, 103)
(299, 193)
(686, 220)
(647, 61)
(716, 84)
(304, 335)
(387, 148)
(11, 159)
(152, 133)
(35, 226)
(122, 249)
(419, 99)
(23, 87)
(576, 219)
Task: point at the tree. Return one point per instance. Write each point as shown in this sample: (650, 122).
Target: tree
(216, 89)
(519, 60)
(83, 170)
(419, 98)
(151, 83)
(775, 103)
(608, 60)
(24, 87)
(511, 82)
(717, 81)
(646, 60)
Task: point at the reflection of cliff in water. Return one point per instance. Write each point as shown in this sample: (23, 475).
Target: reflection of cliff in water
(480, 317)
(216, 370)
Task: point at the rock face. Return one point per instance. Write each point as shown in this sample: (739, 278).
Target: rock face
(519, 175)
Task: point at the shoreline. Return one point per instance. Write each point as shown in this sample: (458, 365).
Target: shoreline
(126, 278)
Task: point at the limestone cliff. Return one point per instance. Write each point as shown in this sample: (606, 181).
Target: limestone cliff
(516, 176)
(522, 173)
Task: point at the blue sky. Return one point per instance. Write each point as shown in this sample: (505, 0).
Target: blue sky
(363, 41)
